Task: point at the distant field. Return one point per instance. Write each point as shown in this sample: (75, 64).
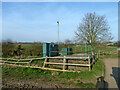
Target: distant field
(27, 45)
(25, 50)
(106, 49)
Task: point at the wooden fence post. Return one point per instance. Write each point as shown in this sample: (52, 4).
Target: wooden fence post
(92, 51)
(64, 61)
(30, 61)
(45, 62)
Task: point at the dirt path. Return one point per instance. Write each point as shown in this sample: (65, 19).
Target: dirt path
(38, 83)
(112, 70)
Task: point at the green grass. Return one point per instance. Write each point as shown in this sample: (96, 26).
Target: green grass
(106, 49)
(26, 45)
(97, 68)
(85, 85)
(23, 73)
(38, 62)
(109, 56)
(85, 75)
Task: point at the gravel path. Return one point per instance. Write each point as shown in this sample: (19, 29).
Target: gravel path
(112, 72)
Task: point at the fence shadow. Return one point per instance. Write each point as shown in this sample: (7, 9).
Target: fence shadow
(116, 75)
(101, 83)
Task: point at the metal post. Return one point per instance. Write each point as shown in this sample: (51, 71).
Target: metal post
(94, 50)
(58, 31)
(68, 50)
(49, 50)
(75, 48)
(91, 50)
(88, 49)
(85, 50)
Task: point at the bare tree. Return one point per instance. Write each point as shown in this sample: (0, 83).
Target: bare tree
(94, 28)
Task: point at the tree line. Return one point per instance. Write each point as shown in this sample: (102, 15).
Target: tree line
(21, 50)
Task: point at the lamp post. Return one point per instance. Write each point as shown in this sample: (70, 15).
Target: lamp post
(58, 31)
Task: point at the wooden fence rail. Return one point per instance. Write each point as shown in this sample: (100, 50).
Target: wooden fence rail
(15, 61)
(20, 59)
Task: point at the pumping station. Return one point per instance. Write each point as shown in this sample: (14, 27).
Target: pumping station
(68, 57)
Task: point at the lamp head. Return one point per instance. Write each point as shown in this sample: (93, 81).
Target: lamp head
(58, 22)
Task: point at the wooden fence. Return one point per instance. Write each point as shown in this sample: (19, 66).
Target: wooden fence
(91, 60)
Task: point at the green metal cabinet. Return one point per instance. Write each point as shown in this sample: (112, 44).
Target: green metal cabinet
(65, 51)
(47, 47)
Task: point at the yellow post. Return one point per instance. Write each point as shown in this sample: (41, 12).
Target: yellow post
(64, 61)
(89, 68)
(92, 51)
(45, 62)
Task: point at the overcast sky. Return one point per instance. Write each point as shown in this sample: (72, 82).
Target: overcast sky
(37, 21)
